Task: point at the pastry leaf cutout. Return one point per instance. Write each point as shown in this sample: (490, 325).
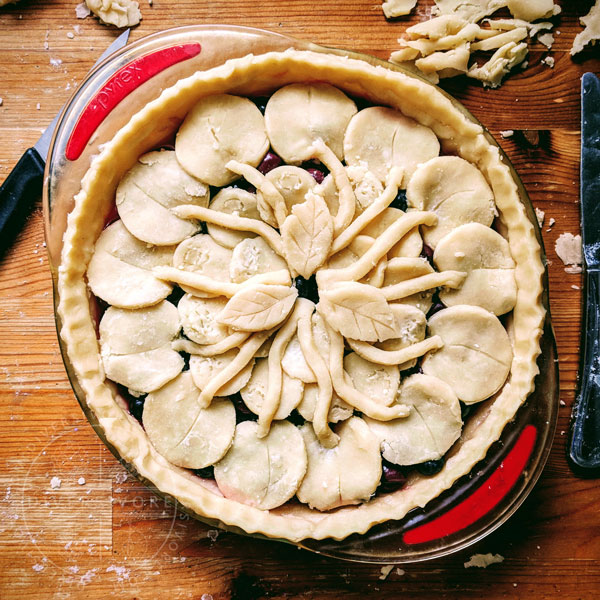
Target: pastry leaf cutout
(307, 235)
(358, 311)
(258, 307)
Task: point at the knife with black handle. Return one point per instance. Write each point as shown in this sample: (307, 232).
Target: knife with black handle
(584, 446)
(24, 183)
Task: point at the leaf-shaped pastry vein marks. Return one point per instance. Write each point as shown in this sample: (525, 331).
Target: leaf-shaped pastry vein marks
(307, 235)
(258, 307)
(358, 311)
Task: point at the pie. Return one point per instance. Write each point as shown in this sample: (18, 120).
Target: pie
(301, 294)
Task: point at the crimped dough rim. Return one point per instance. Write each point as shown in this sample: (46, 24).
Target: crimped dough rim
(254, 75)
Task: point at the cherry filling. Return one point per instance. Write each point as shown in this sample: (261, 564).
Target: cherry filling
(269, 162)
(392, 477)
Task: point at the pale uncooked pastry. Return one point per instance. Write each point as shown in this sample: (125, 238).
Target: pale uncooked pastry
(591, 32)
(205, 368)
(383, 138)
(378, 382)
(470, 10)
(294, 363)
(338, 411)
(258, 307)
(329, 192)
(292, 183)
(148, 192)
(255, 390)
(184, 433)
(502, 61)
(307, 235)
(446, 64)
(366, 185)
(143, 371)
(477, 354)
(234, 201)
(253, 256)
(497, 41)
(218, 129)
(485, 256)
(346, 474)
(199, 319)
(120, 270)
(403, 269)
(455, 190)
(202, 255)
(397, 8)
(434, 423)
(263, 472)
(256, 75)
(121, 13)
(299, 114)
(136, 346)
(125, 331)
(409, 246)
(531, 10)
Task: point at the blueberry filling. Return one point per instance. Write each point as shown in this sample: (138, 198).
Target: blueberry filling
(136, 403)
(242, 412)
(307, 288)
(400, 201)
(296, 418)
(392, 477)
(431, 467)
(206, 473)
(261, 103)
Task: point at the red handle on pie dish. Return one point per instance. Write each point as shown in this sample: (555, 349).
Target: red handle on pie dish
(119, 86)
(483, 499)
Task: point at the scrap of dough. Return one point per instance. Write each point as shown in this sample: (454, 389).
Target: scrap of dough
(397, 8)
(499, 65)
(434, 423)
(591, 33)
(568, 249)
(199, 319)
(405, 268)
(446, 64)
(483, 560)
(379, 382)
(218, 129)
(338, 411)
(185, 434)
(237, 202)
(470, 10)
(531, 10)
(253, 256)
(121, 13)
(263, 472)
(205, 368)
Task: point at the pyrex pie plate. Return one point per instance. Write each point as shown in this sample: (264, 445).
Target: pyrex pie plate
(477, 503)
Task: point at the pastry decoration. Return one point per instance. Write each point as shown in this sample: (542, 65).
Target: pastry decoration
(315, 320)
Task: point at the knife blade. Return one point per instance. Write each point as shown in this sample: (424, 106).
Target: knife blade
(24, 183)
(584, 444)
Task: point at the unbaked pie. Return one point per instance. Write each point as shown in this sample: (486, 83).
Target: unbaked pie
(318, 267)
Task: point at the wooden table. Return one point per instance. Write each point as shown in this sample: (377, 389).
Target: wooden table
(102, 534)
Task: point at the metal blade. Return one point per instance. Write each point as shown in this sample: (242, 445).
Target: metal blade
(590, 169)
(43, 144)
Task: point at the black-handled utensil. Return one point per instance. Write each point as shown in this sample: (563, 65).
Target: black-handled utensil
(24, 183)
(584, 445)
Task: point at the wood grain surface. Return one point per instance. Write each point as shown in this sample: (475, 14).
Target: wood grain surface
(106, 535)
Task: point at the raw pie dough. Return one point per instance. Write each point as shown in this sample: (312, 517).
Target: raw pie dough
(346, 363)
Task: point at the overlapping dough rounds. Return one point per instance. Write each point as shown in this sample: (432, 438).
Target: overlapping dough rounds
(218, 129)
(254, 392)
(294, 363)
(136, 346)
(346, 474)
(409, 246)
(253, 256)
(201, 254)
(184, 433)
(292, 183)
(205, 368)
(233, 201)
(401, 269)
(378, 382)
(338, 411)
(120, 271)
(434, 423)
(383, 138)
(455, 190)
(298, 114)
(485, 256)
(262, 472)
(477, 354)
(147, 193)
(199, 319)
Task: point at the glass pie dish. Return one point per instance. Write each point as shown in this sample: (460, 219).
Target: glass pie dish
(117, 89)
